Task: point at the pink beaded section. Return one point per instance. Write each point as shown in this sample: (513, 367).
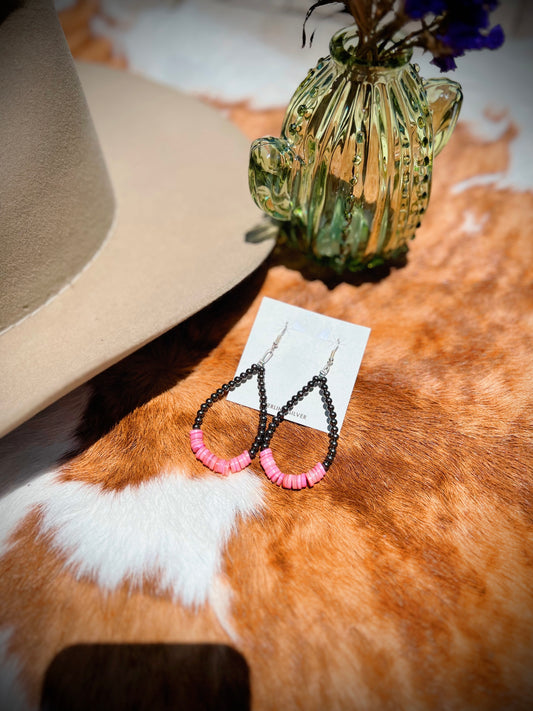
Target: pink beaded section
(289, 481)
(210, 460)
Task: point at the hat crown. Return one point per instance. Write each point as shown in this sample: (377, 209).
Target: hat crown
(56, 200)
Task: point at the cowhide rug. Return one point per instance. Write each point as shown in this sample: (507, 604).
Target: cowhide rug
(131, 577)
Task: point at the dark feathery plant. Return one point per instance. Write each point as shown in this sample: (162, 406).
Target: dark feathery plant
(446, 28)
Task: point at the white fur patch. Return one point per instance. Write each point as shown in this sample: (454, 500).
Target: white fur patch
(170, 528)
(11, 695)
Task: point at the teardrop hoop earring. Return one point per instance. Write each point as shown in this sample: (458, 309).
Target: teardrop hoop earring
(314, 475)
(237, 464)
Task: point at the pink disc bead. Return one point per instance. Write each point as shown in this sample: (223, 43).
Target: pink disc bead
(210, 460)
(203, 454)
(234, 465)
(289, 481)
(278, 477)
(220, 466)
(244, 459)
(270, 467)
(315, 474)
(197, 440)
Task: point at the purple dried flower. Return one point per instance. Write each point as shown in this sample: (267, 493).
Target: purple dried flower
(461, 30)
(445, 64)
(495, 38)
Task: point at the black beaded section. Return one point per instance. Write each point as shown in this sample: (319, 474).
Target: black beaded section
(319, 381)
(223, 390)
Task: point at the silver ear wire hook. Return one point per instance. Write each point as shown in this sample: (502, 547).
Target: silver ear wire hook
(268, 355)
(325, 370)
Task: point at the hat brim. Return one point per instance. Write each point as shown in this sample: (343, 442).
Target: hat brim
(179, 173)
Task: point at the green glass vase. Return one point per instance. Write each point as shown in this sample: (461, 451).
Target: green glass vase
(350, 176)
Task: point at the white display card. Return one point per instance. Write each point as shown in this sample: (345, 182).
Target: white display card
(302, 352)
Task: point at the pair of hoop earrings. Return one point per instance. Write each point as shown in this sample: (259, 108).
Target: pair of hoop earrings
(264, 434)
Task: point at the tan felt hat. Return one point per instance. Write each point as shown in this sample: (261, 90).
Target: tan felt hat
(109, 237)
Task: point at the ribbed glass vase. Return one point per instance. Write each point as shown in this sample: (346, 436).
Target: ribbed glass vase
(350, 177)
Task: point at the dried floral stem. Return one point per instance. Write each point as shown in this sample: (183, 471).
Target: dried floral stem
(446, 28)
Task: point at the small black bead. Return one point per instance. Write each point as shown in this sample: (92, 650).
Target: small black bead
(225, 387)
(208, 402)
(220, 392)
